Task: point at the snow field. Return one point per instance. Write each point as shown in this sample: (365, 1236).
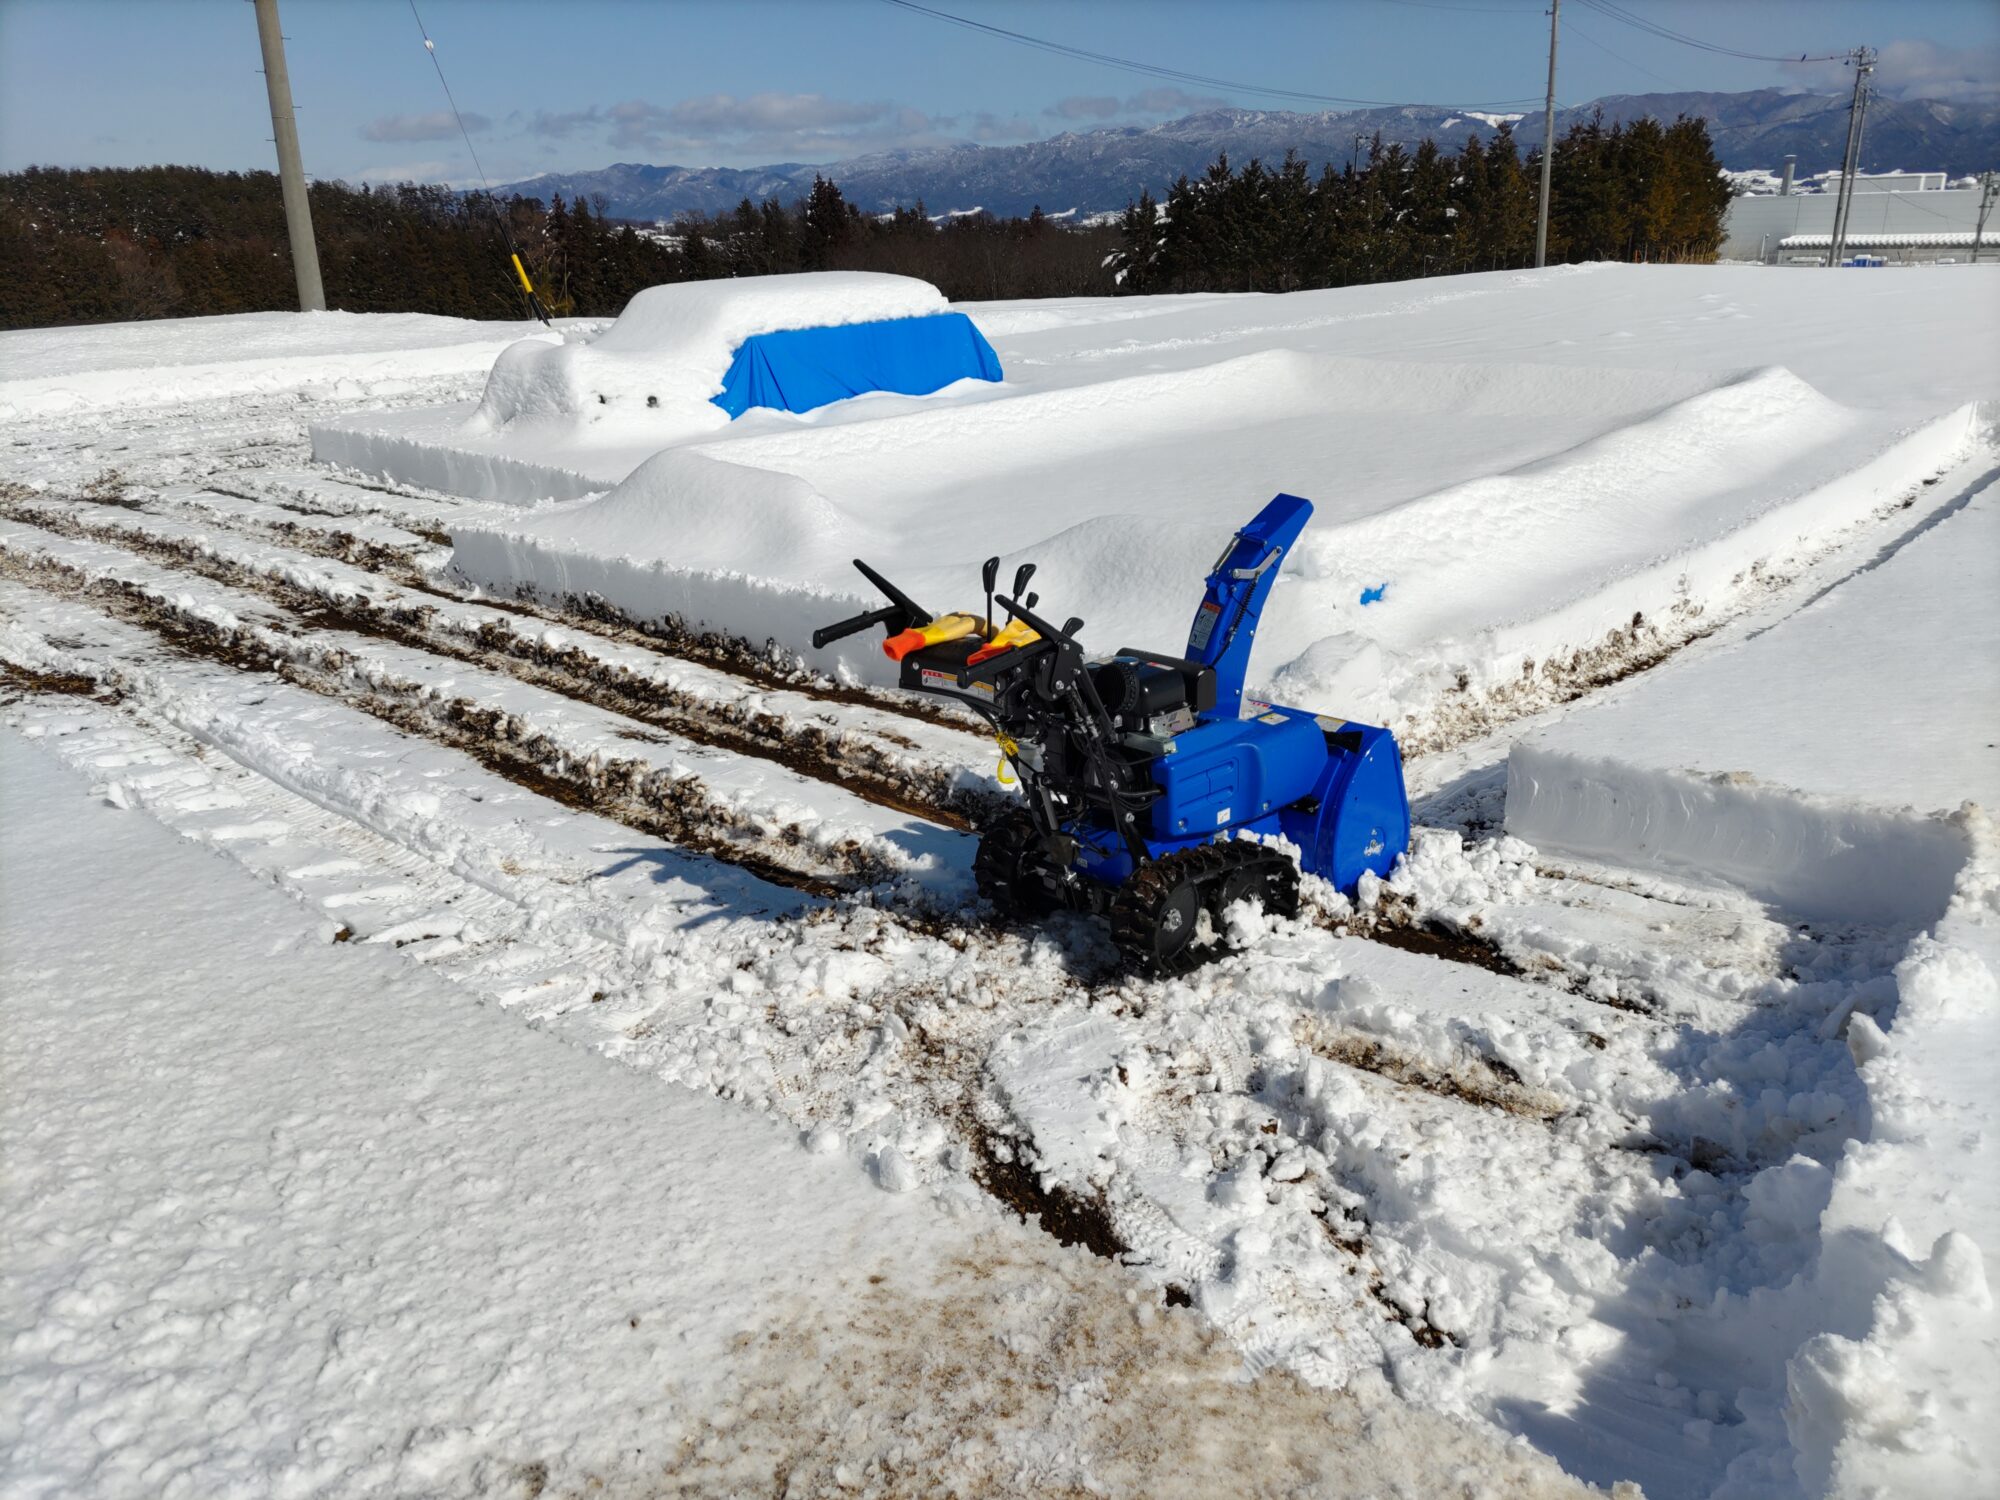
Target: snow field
(1494, 531)
(435, 1284)
(327, 355)
(674, 996)
(731, 804)
(1777, 764)
(890, 754)
(689, 1002)
(1701, 1204)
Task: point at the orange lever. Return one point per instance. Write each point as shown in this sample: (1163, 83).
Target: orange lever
(1014, 633)
(944, 628)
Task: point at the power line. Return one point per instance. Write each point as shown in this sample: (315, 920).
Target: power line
(1653, 28)
(1486, 10)
(513, 251)
(1152, 70)
(1588, 39)
(431, 48)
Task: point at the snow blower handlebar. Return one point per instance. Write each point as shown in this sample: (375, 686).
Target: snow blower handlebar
(899, 614)
(891, 615)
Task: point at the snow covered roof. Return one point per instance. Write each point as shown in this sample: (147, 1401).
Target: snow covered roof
(1890, 241)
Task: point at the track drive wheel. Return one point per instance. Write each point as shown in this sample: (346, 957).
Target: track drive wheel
(1260, 874)
(1006, 868)
(1157, 917)
(1168, 918)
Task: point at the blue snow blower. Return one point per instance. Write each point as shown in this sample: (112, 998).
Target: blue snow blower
(1139, 770)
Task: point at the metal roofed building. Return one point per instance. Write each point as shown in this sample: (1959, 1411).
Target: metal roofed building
(1925, 224)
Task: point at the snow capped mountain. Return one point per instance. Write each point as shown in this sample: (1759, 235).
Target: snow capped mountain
(1101, 170)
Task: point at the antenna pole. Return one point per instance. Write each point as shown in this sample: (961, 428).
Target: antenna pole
(291, 171)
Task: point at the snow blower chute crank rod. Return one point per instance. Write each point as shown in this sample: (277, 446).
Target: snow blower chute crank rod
(1139, 770)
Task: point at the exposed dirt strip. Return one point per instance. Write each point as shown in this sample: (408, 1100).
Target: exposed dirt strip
(676, 809)
(836, 754)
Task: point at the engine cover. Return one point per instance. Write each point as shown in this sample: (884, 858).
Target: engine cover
(1225, 772)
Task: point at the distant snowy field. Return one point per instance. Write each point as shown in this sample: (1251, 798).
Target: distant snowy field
(1644, 1123)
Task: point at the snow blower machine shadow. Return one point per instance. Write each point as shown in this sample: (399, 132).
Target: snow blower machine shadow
(1140, 770)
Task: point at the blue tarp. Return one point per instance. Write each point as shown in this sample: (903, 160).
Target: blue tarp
(801, 368)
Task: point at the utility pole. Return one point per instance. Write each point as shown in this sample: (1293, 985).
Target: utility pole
(1548, 144)
(1862, 60)
(291, 171)
(1989, 183)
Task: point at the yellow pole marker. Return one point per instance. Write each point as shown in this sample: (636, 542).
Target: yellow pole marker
(522, 272)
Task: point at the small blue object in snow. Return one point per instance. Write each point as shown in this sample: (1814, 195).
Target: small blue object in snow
(1370, 596)
(799, 369)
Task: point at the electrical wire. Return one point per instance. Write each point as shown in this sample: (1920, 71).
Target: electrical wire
(1175, 75)
(1484, 10)
(1617, 13)
(513, 250)
(1571, 29)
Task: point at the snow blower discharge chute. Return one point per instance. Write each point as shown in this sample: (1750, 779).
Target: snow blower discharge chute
(1139, 770)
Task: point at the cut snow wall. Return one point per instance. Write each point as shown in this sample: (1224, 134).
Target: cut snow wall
(1816, 857)
(368, 446)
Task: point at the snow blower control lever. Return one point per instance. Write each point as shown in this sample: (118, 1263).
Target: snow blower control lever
(1153, 792)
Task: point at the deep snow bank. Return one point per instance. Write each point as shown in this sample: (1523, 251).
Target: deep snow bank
(670, 347)
(1632, 494)
(1810, 764)
(558, 420)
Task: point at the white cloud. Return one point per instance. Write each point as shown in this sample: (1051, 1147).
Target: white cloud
(772, 126)
(1917, 69)
(561, 126)
(811, 127)
(436, 126)
(725, 114)
(404, 171)
(1085, 107)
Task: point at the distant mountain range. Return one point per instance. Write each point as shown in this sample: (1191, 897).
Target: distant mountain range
(1099, 171)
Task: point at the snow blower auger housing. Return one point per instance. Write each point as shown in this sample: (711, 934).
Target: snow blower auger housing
(1140, 769)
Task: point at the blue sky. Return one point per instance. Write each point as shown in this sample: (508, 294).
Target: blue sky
(565, 84)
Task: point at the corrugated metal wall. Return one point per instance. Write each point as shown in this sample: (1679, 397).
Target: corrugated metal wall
(1755, 225)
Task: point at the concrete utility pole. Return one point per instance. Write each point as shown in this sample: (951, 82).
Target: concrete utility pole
(1548, 144)
(291, 171)
(1862, 59)
(1989, 183)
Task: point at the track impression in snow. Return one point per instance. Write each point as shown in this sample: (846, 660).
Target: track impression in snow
(1515, 1184)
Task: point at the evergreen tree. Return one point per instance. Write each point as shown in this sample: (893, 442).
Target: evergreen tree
(826, 226)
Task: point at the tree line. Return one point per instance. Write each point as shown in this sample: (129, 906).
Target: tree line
(1629, 192)
(115, 244)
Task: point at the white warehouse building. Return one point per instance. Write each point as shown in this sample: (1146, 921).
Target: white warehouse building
(1900, 218)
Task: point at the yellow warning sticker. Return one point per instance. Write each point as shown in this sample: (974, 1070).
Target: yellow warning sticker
(1270, 718)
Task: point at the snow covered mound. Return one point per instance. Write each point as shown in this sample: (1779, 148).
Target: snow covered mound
(1476, 526)
(666, 355)
(558, 420)
(1812, 765)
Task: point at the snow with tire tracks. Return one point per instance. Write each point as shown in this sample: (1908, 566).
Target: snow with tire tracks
(1560, 1142)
